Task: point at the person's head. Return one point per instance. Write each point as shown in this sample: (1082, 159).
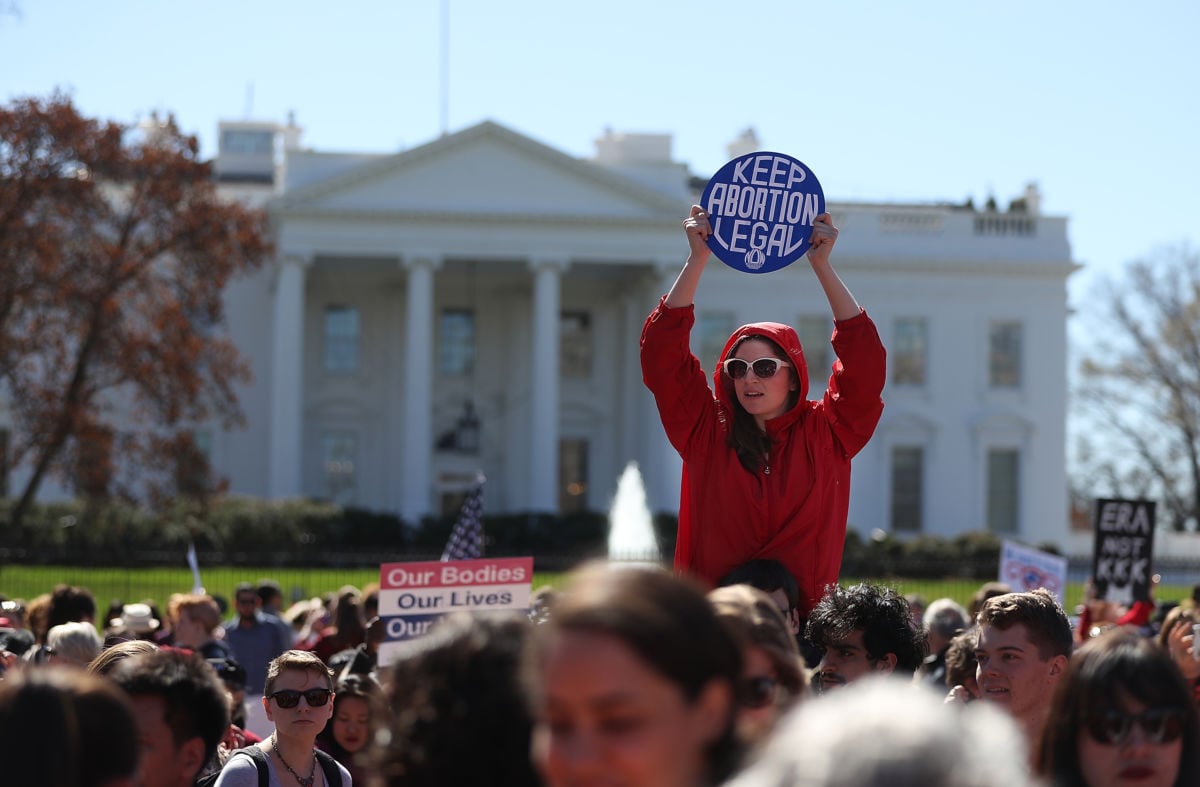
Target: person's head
(633, 676)
(66, 728)
(355, 715)
(297, 693)
(233, 676)
(457, 711)
(194, 618)
(347, 612)
(37, 616)
(986, 590)
(864, 629)
(370, 600)
(270, 594)
(70, 604)
(960, 662)
(1122, 714)
(133, 621)
(1178, 616)
(944, 617)
(12, 612)
(772, 678)
(773, 578)
(182, 713)
(110, 656)
(246, 601)
(753, 393)
(916, 607)
(1023, 644)
(881, 731)
(73, 644)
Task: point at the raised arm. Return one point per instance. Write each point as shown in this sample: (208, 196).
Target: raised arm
(683, 291)
(824, 236)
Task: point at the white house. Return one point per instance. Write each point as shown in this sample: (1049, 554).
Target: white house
(474, 305)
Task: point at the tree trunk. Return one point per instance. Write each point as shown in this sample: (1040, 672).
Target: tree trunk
(63, 428)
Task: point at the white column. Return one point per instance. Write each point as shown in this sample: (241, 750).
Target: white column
(287, 379)
(543, 454)
(416, 473)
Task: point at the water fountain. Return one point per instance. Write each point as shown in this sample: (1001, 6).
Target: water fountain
(630, 527)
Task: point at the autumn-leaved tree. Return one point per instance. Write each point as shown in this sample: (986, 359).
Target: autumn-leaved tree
(1139, 387)
(114, 252)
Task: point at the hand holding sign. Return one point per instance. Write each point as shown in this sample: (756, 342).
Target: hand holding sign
(763, 208)
(824, 235)
(698, 232)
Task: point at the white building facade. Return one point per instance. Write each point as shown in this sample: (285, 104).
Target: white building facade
(474, 305)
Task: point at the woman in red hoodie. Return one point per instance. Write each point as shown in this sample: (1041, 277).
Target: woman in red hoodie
(766, 472)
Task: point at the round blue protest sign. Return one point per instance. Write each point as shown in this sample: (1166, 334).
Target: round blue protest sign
(761, 207)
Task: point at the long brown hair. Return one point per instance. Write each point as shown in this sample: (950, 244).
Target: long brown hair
(1116, 662)
(750, 443)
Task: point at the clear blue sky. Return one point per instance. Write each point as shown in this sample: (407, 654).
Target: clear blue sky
(1099, 102)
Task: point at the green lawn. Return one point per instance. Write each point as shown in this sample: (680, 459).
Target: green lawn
(157, 584)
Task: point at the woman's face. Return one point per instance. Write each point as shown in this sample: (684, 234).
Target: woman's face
(302, 721)
(764, 398)
(760, 688)
(352, 723)
(607, 718)
(1137, 760)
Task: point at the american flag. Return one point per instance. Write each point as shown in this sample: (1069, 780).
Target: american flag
(466, 540)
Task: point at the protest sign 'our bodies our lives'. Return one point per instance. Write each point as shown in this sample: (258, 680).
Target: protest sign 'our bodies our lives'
(413, 596)
(761, 208)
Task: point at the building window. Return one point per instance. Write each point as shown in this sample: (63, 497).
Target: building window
(575, 348)
(339, 457)
(908, 471)
(1003, 491)
(712, 330)
(247, 142)
(572, 476)
(815, 332)
(1004, 355)
(456, 355)
(908, 352)
(342, 330)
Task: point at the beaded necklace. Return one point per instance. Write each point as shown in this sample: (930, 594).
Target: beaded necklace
(300, 779)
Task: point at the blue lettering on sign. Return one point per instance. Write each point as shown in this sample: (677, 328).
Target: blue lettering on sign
(398, 628)
(762, 207)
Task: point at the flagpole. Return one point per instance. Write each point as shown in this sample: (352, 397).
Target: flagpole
(445, 68)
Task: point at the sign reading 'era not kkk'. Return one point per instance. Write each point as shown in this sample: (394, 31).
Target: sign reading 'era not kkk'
(761, 207)
(1121, 559)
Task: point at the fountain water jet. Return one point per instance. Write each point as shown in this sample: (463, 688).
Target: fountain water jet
(630, 526)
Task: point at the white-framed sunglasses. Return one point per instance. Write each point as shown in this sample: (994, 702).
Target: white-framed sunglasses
(764, 368)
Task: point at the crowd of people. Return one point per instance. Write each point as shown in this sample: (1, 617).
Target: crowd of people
(626, 674)
(749, 665)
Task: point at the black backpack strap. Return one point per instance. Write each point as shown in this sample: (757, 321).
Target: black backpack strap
(261, 762)
(329, 766)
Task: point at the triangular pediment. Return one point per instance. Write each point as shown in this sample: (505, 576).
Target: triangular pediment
(483, 170)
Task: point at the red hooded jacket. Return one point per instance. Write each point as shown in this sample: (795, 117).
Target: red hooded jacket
(794, 509)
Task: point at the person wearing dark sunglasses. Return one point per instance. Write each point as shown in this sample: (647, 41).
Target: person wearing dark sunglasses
(766, 472)
(298, 699)
(1121, 715)
(772, 678)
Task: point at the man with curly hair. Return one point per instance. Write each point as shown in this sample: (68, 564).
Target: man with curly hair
(863, 630)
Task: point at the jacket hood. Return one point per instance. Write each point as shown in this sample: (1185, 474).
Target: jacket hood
(783, 335)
